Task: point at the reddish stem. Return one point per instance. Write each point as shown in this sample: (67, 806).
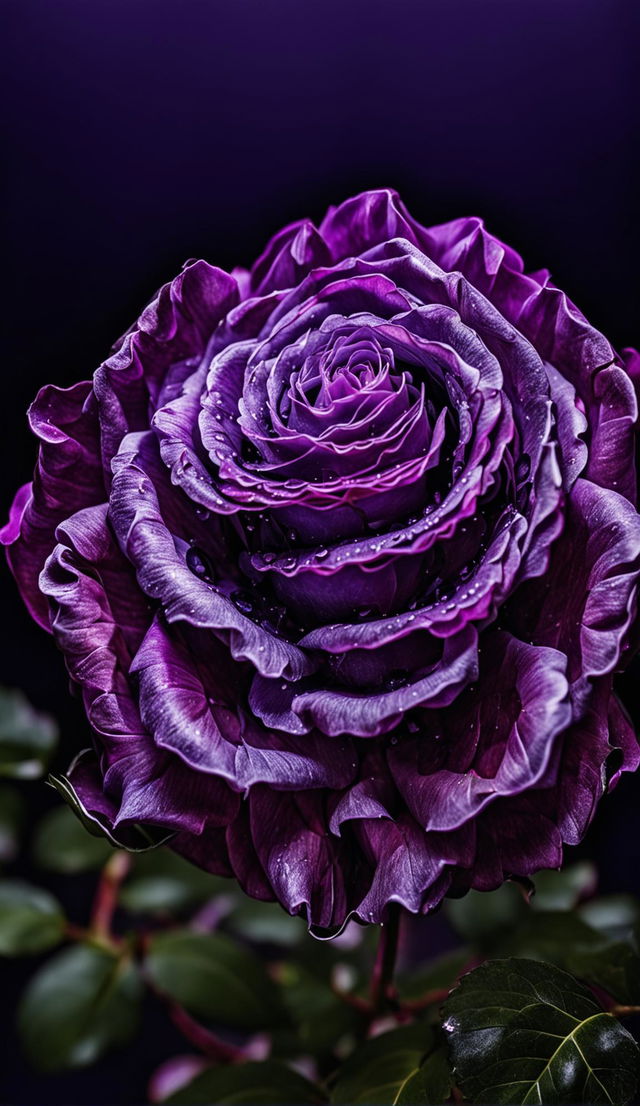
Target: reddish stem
(104, 905)
(203, 1038)
(359, 1004)
(75, 933)
(382, 987)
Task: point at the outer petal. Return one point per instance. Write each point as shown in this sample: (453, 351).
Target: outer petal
(600, 553)
(288, 257)
(310, 871)
(520, 835)
(412, 868)
(563, 338)
(174, 328)
(500, 737)
(68, 477)
(98, 619)
(367, 220)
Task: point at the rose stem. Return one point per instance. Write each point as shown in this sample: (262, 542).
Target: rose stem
(114, 872)
(202, 1038)
(382, 990)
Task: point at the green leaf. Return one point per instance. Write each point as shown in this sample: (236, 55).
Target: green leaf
(163, 883)
(382, 1071)
(82, 1003)
(565, 940)
(436, 1076)
(481, 915)
(134, 838)
(522, 1031)
(27, 738)
(429, 1084)
(266, 1082)
(563, 890)
(31, 920)
(214, 979)
(62, 844)
(412, 1092)
(12, 819)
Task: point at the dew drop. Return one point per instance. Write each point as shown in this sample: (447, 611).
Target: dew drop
(200, 564)
(242, 602)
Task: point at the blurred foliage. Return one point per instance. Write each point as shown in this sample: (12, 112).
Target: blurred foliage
(61, 844)
(215, 979)
(13, 816)
(84, 1001)
(527, 1007)
(30, 919)
(27, 739)
(263, 1082)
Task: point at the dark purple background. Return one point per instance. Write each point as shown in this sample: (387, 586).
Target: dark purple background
(142, 133)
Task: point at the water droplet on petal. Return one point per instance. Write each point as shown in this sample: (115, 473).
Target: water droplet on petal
(242, 602)
(199, 563)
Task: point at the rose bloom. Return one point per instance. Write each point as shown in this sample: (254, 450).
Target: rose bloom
(342, 554)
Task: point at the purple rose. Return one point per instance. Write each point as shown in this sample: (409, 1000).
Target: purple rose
(343, 555)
